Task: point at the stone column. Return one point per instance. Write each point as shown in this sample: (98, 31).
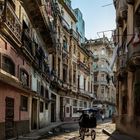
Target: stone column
(57, 108)
(130, 104)
(30, 111)
(120, 98)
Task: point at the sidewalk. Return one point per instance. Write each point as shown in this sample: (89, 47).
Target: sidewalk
(37, 134)
(114, 134)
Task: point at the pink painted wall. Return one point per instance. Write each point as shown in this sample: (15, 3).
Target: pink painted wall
(7, 49)
(8, 91)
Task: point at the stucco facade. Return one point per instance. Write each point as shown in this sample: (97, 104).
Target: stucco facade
(127, 41)
(103, 75)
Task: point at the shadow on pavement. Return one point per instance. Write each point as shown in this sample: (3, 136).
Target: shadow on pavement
(116, 135)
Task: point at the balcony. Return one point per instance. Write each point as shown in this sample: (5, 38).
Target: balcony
(74, 34)
(100, 82)
(82, 92)
(134, 54)
(122, 62)
(103, 69)
(27, 42)
(83, 67)
(65, 24)
(10, 25)
(41, 19)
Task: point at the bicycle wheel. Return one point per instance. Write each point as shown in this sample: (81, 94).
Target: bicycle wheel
(93, 134)
(82, 133)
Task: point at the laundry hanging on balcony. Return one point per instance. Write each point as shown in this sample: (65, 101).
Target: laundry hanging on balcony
(135, 40)
(113, 57)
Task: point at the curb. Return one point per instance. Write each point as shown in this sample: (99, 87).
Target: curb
(109, 134)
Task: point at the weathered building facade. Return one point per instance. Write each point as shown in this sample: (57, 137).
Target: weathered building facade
(40, 67)
(127, 41)
(24, 72)
(68, 65)
(104, 88)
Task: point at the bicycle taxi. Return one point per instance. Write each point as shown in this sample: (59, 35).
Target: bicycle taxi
(87, 123)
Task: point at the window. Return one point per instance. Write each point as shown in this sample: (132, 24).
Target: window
(78, 81)
(81, 104)
(84, 84)
(65, 44)
(46, 93)
(38, 86)
(41, 106)
(65, 73)
(46, 106)
(24, 77)
(102, 77)
(74, 102)
(42, 91)
(59, 67)
(24, 103)
(74, 76)
(74, 110)
(8, 65)
(67, 109)
(103, 51)
(74, 49)
(67, 100)
(95, 52)
(85, 104)
(95, 90)
(102, 89)
(95, 77)
(89, 86)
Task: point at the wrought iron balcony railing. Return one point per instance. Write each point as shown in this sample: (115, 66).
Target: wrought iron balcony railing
(11, 23)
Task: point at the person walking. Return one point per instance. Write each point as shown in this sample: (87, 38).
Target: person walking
(103, 117)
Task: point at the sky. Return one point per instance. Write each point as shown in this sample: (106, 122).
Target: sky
(97, 18)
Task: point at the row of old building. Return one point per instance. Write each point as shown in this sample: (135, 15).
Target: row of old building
(128, 51)
(48, 70)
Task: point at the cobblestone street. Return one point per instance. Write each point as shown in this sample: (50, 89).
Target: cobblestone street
(71, 132)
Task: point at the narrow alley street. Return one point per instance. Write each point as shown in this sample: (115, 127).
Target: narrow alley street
(64, 61)
(70, 132)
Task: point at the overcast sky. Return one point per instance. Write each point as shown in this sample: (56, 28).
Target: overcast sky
(97, 18)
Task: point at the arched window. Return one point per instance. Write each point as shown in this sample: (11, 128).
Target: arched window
(24, 77)
(8, 65)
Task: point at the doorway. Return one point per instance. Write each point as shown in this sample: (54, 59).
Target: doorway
(9, 118)
(53, 108)
(34, 114)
